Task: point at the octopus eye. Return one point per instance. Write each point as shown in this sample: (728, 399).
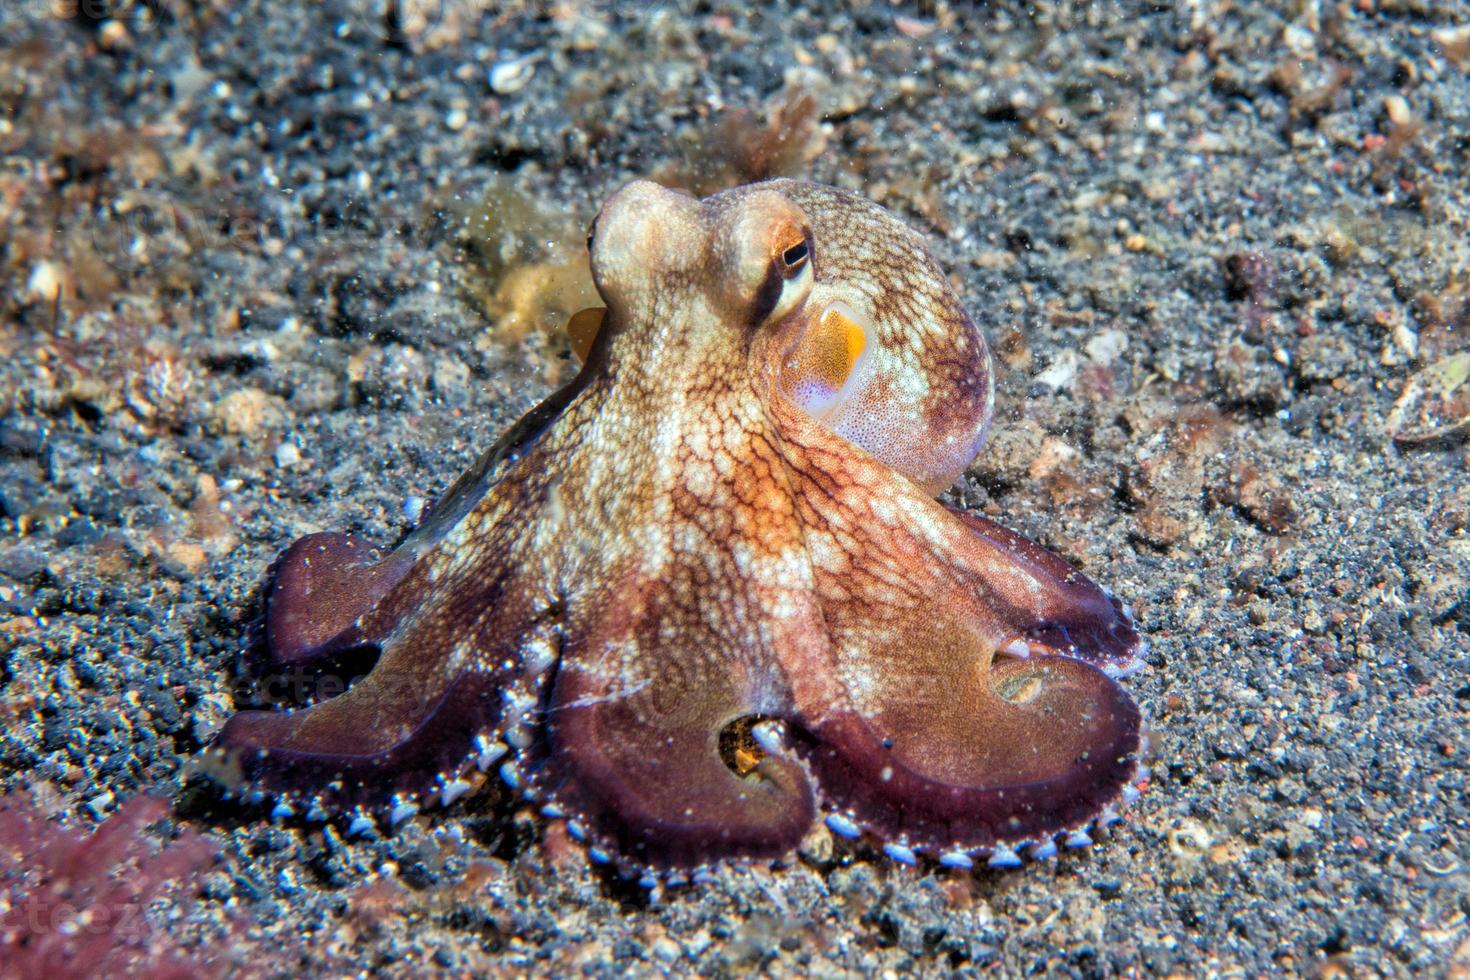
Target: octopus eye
(785, 272)
(794, 258)
(827, 366)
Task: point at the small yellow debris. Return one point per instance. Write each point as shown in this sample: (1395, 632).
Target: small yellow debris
(187, 556)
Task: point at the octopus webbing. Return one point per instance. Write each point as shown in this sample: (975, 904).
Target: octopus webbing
(704, 596)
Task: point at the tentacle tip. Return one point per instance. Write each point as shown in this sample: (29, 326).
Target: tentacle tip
(1127, 668)
(1078, 839)
(901, 853)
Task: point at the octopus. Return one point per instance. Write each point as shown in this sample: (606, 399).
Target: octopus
(705, 597)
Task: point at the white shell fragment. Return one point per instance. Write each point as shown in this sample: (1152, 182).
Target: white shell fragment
(767, 735)
(1435, 404)
(512, 74)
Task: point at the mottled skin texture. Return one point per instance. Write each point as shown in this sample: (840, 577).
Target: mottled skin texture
(703, 605)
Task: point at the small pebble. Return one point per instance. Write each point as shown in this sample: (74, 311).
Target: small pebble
(44, 283)
(287, 455)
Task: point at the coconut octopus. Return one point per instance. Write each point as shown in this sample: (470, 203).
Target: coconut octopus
(704, 596)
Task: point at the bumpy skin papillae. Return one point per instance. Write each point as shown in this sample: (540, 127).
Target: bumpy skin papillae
(673, 548)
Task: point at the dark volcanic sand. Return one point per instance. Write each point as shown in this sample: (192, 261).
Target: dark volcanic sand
(1211, 246)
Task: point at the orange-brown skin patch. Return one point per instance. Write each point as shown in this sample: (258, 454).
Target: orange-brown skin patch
(700, 599)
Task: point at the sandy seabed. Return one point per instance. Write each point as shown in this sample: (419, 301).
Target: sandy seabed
(272, 268)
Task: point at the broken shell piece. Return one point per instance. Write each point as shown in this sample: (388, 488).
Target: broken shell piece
(1435, 405)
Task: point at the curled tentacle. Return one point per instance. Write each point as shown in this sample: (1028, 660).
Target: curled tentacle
(937, 740)
(645, 738)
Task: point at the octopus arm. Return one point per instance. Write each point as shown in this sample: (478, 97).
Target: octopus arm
(642, 735)
(939, 741)
(320, 590)
(436, 685)
(1054, 607)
